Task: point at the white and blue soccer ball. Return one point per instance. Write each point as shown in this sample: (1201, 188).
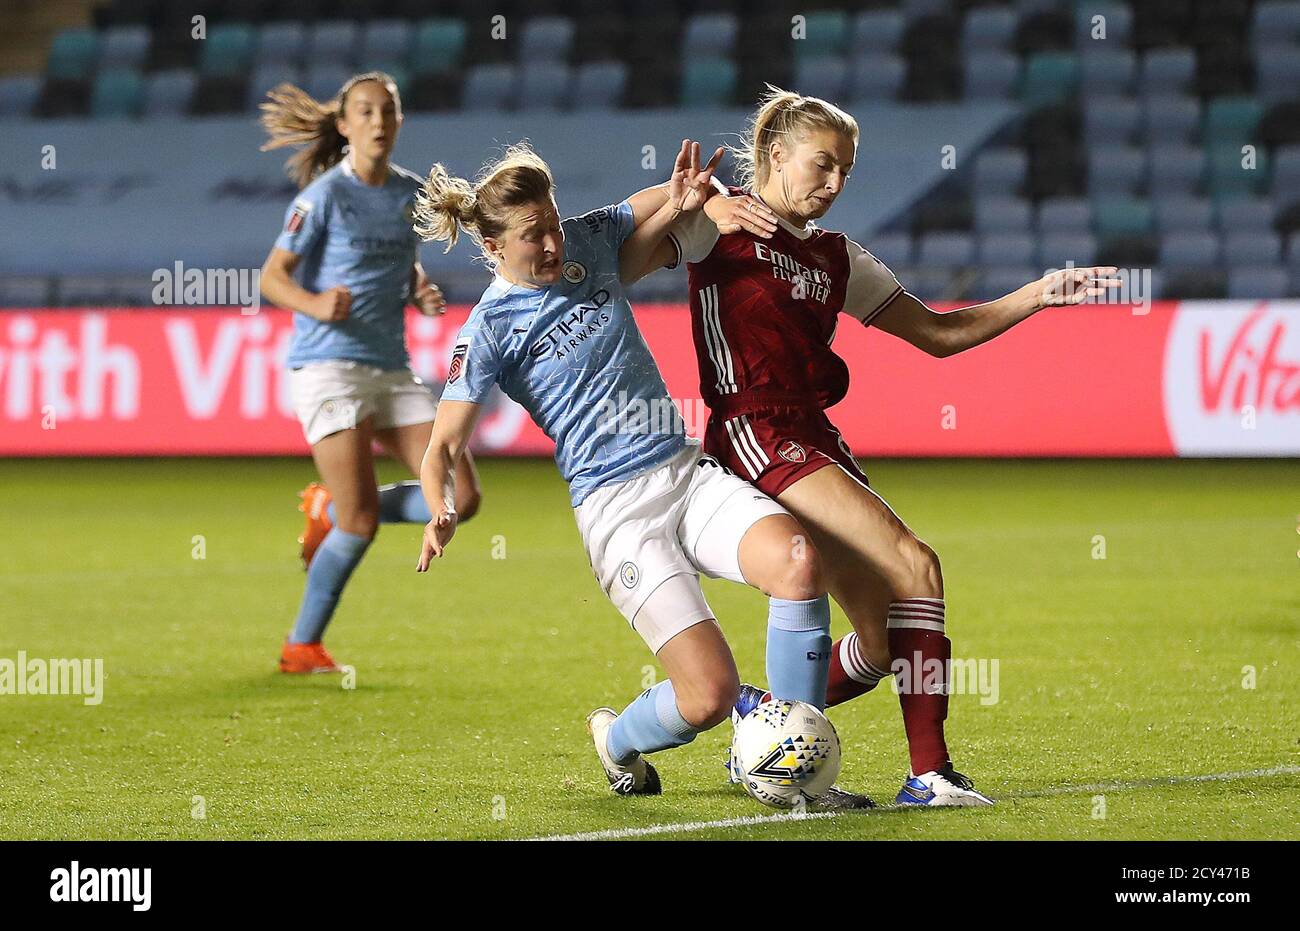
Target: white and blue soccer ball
(785, 753)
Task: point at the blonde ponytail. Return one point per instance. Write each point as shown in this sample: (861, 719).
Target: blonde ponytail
(788, 117)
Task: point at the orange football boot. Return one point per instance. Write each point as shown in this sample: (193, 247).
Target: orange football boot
(315, 504)
(306, 657)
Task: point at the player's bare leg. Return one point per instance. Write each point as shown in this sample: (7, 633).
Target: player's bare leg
(407, 445)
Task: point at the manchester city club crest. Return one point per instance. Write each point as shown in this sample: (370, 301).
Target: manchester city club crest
(574, 272)
(629, 574)
(791, 451)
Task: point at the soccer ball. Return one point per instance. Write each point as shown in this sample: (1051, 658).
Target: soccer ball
(785, 753)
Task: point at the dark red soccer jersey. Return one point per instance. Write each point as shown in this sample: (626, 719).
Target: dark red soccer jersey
(764, 311)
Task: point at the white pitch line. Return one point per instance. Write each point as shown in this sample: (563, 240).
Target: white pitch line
(690, 827)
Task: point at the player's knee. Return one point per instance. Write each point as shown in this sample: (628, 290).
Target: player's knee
(801, 576)
(362, 521)
(709, 704)
(920, 575)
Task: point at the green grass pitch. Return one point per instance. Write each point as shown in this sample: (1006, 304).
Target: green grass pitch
(472, 682)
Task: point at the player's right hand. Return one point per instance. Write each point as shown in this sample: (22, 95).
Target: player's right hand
(437, 534)
(334, 305)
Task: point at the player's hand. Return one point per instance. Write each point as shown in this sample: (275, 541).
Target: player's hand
(437, 534)
(733, 214)
(690, 185)
(332, 306)
(428, 298)
(1068, 286)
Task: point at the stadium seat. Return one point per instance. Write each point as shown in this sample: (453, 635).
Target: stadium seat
(1275, 22)
(438, 46)
(1196, 284)
(281, 44)
(546, 38)
(992, 283)
(1253, 248)
(488, 87)
(1175, 169)
(945, 249)
(124, 47)
(1231, 120)
(1167, 71)
(1107, 71)
(1183, 214)
(916, 9)
(543, 85)
(824, 77)
(323, 80)
(1001, 214)
(72, 54)
(1171, 118)
(876, 77)
(385, 40)
(1246, 215)
(1005, 249)
(1057, 249)
(598, 86)
(1286, 175)
(1110, 120)
(227, 51)
(1277, 73)
(1229, 176)
(118, 92)
(1049, 77)
(928, 283)
(710, 35)
(1189, 250)
(1115, 170)
(267, 76)
(18, 95)
(1064, 215)
(826, 34)
(894, 249)
(169, 93)
(1121, 216)
(708, 83)
(989, 28)
(877, 31)
(1266, 282)
(334, 41)
(990, 75)
(1000, 171)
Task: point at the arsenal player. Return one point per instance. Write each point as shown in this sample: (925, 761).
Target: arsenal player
(764, 308)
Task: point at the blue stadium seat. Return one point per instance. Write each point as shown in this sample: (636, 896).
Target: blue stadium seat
(118, 92)
(1110, 120)
(1286, 175)
(877, 31)
(1257, 248)
(598, 85)
(488, 87)
(894, 249)
(1107, 71)
(915, 9)
(323, 79)
(1189, 250)
(385, 40)
(438, 47)
(268, 75)
(991, 75)
(709, 82)
(875, 78)
(281, 44)
(1246, 215)
(168, 93)
(988, 28)
(1002, 214)
(1276, 22)
(227, 51)
(18, 94)
(1267, 282)
(1277, 73)
(825, 33)
(543, 85)
(992, 283)
(1118, 25)
(1006, 249)
(1000, 171)
(1122, 216)
(1115, 170)
(1167, 71)
(123, 47)
(72, 54)
(1064, 215)
(945, 249)
(1293, 252)
(334, 41)
(1175, 169)
(1049, 77)
(1171, 118)
(1056, 249)
(546, 38)
(824, 77)
(709, 35)
(1183, 214)
(927, 283)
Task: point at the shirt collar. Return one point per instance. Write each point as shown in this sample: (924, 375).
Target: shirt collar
(790, 228)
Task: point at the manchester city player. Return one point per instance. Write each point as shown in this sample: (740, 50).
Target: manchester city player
(556, 332)
(348, 239)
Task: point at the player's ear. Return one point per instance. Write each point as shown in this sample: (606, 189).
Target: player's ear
(776, 154)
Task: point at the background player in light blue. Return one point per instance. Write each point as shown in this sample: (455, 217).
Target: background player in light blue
(556, 332)
(347, 240)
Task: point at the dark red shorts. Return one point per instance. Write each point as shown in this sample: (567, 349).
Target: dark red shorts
(773, 448)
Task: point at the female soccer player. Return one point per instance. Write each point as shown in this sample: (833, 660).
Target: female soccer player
(556, 332)
(764, 311)
(348, 236)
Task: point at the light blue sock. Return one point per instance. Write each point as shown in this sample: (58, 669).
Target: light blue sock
(402, 503)
(650, 723)
(333, 563)
(799, 649)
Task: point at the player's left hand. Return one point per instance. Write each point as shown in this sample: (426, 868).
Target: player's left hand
(690, 185)
(1068, 286)
(428, 299)
(733, 214)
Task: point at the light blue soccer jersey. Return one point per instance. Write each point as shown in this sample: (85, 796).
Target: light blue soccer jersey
(573, 357)
(354, 234)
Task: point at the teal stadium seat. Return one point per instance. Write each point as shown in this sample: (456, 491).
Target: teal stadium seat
(708, 83)
(1049, 77)
(1231, 121)
(826, 35)
(1114, 217)
(73, 54)
(118, 92)
(1228, 178)
(438, 46)
(227, 51)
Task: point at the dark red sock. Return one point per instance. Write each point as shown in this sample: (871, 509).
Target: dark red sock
(851, 675)
(920, 654)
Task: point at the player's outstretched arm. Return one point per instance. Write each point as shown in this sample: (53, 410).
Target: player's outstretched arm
(452, 427)
(945, 334)
(279, 288)
(425, 295)
(689, 187)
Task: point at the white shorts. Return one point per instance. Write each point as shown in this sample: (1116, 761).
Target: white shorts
(653, 534)
(330, 397)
